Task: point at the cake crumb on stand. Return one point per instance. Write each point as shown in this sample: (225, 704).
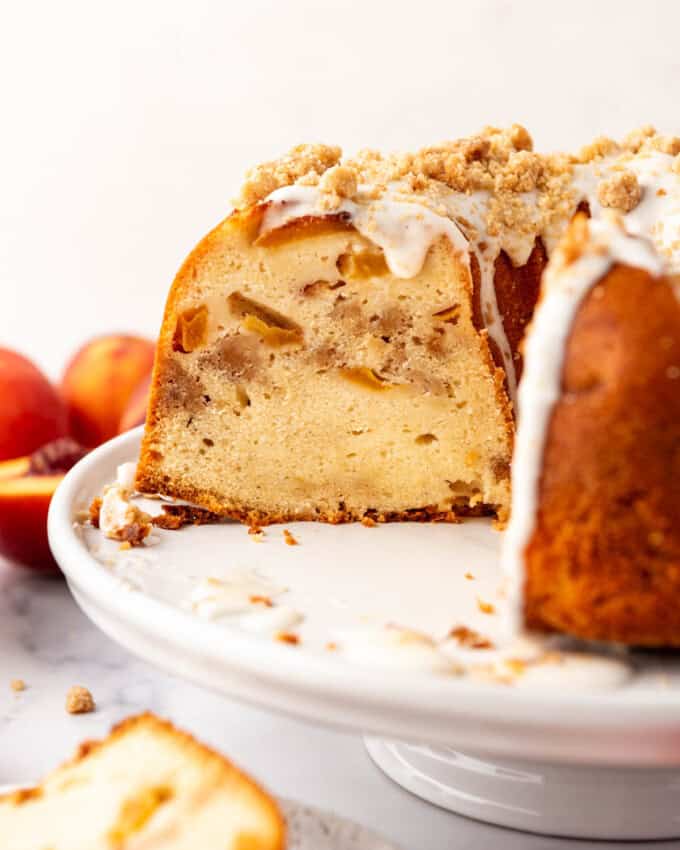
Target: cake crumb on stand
(17, 685)
(289, 539)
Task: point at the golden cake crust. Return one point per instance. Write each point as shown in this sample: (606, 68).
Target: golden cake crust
(603, 562)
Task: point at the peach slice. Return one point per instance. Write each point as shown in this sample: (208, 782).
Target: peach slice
(31, 411)
(26, 488)
(99, 381)
(24, 503)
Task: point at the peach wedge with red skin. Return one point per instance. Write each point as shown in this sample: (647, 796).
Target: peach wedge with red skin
(26, 488)
(31, 411)
(99, 382)
(24, 502)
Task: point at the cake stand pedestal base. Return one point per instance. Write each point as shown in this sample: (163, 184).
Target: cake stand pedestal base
(615, 803)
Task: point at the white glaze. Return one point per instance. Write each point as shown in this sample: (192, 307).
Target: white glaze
(115, 511)
(564, 288)
(213, 598)
(392, 647)
(657, 215)
(573, 671)
(125, 476)
(270, 621)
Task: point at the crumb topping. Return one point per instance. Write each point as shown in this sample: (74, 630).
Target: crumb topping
(175, 517)
(79, 700)
(621, 191)
(526, 193)
(599, 148)
(337, 183)
(303, 161)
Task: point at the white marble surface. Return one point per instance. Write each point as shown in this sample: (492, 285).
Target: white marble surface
(45, 640)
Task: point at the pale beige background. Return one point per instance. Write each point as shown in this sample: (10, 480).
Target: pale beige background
(125, 127)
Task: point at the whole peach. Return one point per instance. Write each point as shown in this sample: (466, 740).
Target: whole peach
(135, 412)
(31, 411)
(98, 382)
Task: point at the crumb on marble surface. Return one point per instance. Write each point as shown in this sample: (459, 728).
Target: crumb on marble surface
(79, 700)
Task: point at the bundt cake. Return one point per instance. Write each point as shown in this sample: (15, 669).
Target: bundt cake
(348, 344)
(593, 546)
(147, 785)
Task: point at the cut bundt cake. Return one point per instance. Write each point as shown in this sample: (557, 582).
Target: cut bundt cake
(145, 787)
(347, 343)
(593, 547)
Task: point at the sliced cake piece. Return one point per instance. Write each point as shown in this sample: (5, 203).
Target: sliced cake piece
(299, 377)
(145, 787)
(345, 343)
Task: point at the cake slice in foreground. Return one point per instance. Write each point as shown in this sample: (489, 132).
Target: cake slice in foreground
(145, 787)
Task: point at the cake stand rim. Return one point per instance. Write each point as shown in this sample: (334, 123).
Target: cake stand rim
(482, 717)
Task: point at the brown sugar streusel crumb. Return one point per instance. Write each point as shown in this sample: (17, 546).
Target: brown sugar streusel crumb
(17, 685)
(136, 532)
(620, 191)
(486, 607)
(288, 537)
(302, 161)
(499, 161)
(79, 700)
(256, 533)
(470, 638)
(261, 600)
(175, 517)
(94, 511)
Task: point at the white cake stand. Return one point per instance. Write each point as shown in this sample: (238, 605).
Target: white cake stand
(583, 747)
